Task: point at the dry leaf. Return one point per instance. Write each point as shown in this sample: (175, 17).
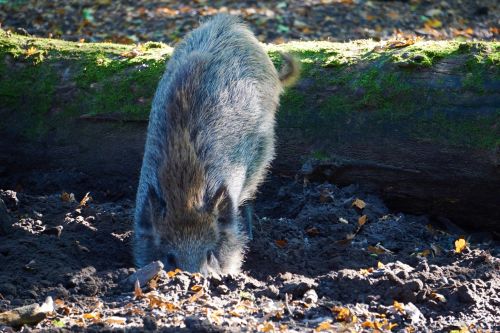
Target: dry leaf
(85, 199)
(359, 204)
(267, 327)
(362, 220)
(30, 51)
(312, 232)
(399, 306)
(173, 273)
(401, 40)
(196, 288)
(215, 316)
(281, 242)
(115, 320)
(375, 249)
(343, 314)
(153, 284)
(460, 245)
(433, 23)
(67, 197)
(95, 316)
(196, 296)
(323, 326)
(137, 289)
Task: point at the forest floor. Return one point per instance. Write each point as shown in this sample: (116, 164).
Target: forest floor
(323, 258)
(168, 21)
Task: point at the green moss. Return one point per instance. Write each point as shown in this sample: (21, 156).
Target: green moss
(347, 87)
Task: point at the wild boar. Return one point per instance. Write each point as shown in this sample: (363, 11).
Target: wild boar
(209, 143)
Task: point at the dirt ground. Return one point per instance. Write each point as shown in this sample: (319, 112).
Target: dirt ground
(323, 258)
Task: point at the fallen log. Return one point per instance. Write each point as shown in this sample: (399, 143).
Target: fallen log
(419, 124)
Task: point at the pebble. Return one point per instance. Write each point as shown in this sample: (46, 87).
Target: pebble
(310, 296)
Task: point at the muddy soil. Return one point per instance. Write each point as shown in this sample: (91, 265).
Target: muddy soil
(322, 258)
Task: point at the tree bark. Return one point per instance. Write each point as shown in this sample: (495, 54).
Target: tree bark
(419, 124)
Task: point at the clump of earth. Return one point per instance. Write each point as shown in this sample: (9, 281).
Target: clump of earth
(323, 258)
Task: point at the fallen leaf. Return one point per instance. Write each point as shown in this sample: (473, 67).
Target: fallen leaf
(196, 296)
(343, 314)
(323, 326)
(196, 288)
(399, 306)
(173, 273)
(92, 316)
(85, 200)
(312, 232)
(380, 265)
(460, 245)
(375, 249)
(433, 23)
(359, 204)
(115, 320)
(30, 51)
(362, 220)
(67, 197)
(267, 327)
(137, 289)
(281, 242)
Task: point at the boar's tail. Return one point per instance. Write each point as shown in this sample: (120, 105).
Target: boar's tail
(290, 70)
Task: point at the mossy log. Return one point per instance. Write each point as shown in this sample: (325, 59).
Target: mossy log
(420, 124)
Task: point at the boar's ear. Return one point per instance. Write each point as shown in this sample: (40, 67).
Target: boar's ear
(212, 204)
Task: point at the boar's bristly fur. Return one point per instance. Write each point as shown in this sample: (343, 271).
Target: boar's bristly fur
(210, 140)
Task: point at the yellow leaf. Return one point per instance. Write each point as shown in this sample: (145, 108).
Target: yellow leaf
(399, 306)
(433, 23)
(390, 326)
(196, 288)
(380, 265)
(31, 51)
(267, 327)
(365, 272)
(368, 324)
(343, 314)
(359, 204)
(92, 315)
(362, 220)
(173, 273)
(323, 326)
(196, 296)
(460, 245)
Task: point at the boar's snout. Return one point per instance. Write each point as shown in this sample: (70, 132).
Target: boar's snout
(204, 263)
